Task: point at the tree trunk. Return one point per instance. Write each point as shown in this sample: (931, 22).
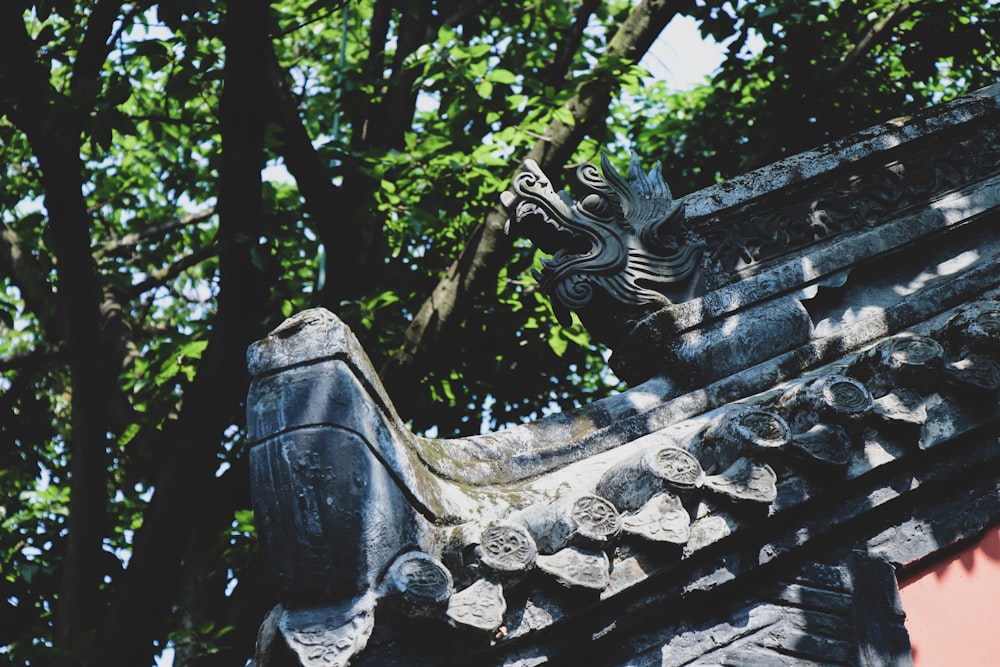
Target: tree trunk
(487, 248)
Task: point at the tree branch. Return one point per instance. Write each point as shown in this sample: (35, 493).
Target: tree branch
(93, 50)
(326, 204)
(353, 259)
(487, 247)
(562, 61)
(171, 120)
(337, 211)
(186, 478)
(167, 273)
(52, 125)
(311, 174)
(378, 31)
(23, 78)
(31, 278)
(462, 10)
(874, 36)
(113, 246)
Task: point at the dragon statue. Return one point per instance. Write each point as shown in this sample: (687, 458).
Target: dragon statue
(625, 238)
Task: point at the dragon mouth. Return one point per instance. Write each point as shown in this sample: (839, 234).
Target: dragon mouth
(540, 212)
(546, 232)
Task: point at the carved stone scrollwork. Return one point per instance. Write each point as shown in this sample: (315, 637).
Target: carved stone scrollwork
(741, 432)
(763, 430)
(906, 360)
(507, 548)
(909, 350)
(844, 397)
(625, 238)
(585, 519)
(837, 398)
(677, 468)
(594, 518)
(631, 483)
(749, 236)
(421, 580)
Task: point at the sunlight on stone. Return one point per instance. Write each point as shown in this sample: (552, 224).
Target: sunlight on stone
(950, 267)
(958, 263)
(850, 317)
(730, 325)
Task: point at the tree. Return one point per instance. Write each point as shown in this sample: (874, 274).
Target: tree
(142, 249)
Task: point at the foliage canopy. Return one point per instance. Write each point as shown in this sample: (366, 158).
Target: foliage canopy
(143, 247)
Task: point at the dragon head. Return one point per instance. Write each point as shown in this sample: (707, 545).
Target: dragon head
(625, 238)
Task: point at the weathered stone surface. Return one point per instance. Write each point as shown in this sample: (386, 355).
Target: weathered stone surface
(824, 443)
(708, 530)
(841, 333)
(902, 407)
(832, 398)
(327, 636)
(481, 606)
(977, 373)
(822, 614)
(320, 548)
(421, 579)
(714, 350)
(739, 432)
(662, 519)
(577, 568)
(745, 480)
(507, 548)
(594, 518)
(631, 483)
(585, 519)
(912, 361)
(983, 332)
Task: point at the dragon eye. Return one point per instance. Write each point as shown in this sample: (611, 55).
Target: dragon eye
(593, 203)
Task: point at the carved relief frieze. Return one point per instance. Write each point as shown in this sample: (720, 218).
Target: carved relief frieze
(628, 239)
(860, 199)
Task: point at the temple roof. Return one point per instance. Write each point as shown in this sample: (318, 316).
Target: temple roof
(813, 350)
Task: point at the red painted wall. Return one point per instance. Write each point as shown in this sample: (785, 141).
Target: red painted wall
(952, 607)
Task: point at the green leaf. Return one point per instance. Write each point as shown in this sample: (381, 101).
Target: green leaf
(484, 89)
(500, 75)
(557, 342)
(564, 116)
